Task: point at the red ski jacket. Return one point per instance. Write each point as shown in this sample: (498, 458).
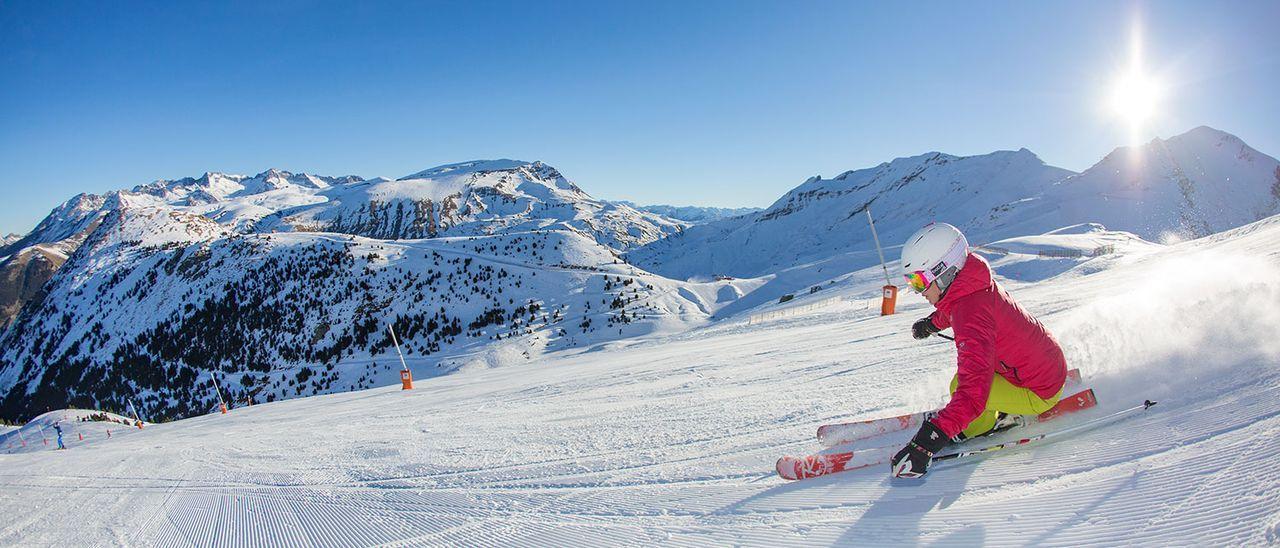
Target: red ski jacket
(993, 336)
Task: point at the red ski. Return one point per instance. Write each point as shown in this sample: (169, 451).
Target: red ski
(831, 435)
(1070, 404)
(812, 466)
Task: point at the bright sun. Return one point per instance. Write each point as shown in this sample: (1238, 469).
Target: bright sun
(1135, 97)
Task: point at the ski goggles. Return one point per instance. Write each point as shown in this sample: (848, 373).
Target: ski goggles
(918, 281)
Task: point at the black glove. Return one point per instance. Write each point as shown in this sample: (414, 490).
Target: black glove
(923, 328)
(913, 460)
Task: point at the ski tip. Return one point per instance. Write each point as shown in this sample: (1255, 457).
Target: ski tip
(1073, 375)
(786, 467)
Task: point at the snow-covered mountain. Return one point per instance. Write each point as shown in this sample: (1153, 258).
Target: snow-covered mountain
(23, 276)
(268, 279)
(469, 199)
(9, 239)
(1188, 186)
(67, 223)
(825, 217)
(27, 262)
(239, 201)
(218, 187)
(1198, 183)
(694, 215)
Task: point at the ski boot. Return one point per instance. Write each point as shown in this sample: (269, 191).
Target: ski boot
(1004, 421)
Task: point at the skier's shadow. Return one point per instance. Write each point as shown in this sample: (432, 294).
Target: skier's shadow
(897, 506)
(903, 503)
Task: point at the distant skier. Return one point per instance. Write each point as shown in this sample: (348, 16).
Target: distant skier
(57, 427)
(1007, 362)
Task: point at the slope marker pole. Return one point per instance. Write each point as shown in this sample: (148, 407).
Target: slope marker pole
(890, 298)
(137, 418)
(221, 402)
(406, 376)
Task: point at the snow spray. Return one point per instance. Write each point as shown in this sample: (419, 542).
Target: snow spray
(1184, 320)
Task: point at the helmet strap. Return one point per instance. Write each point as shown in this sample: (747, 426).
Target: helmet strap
(944, 280)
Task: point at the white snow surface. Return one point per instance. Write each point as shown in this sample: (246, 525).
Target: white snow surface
(671, 438)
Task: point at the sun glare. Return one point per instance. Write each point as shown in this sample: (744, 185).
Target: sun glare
(1135, 96)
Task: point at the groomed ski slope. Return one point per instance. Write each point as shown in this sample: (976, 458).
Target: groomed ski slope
(672, 440)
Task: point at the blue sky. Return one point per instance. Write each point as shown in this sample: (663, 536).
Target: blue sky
(706, 103)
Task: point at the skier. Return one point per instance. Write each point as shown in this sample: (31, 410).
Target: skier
(1007, 363)
(57, 427)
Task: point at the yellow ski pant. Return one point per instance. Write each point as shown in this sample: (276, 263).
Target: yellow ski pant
(1007, 398)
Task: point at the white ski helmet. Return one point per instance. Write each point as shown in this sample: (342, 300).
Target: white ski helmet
(934, 253)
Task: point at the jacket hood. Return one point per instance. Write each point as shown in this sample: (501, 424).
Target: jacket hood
(975, 276)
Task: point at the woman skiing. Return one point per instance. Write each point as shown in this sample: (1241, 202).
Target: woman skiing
(1007, 363)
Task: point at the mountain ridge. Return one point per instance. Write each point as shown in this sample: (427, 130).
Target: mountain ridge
(824, 217)
(691, 214)
(1189, 185)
